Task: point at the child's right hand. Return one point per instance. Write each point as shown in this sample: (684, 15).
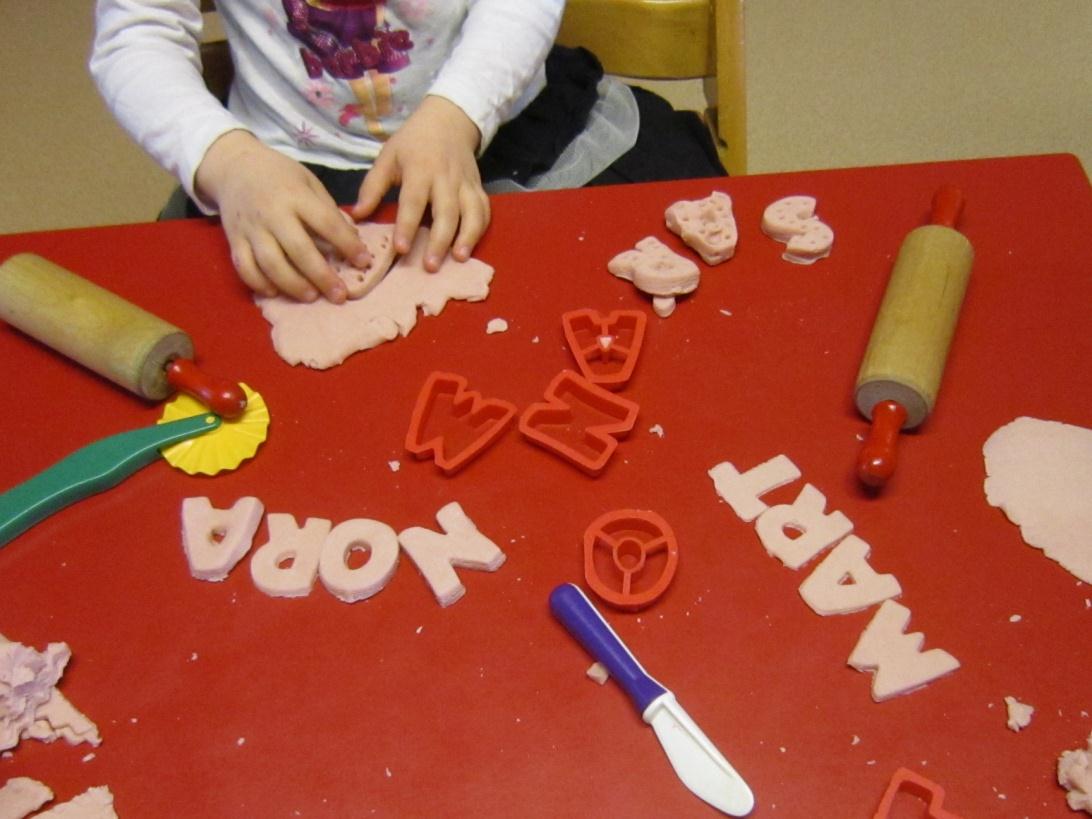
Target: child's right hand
(273, 209)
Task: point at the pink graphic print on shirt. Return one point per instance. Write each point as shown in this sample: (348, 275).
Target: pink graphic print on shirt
(350, 40)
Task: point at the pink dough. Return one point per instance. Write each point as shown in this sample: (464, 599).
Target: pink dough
(286, 566)
(461, 545)
(351, 584)
(1040, 474)
(216, 539)
(706, 225)
(657, 270)
(379, 240)
(792, 220)
(21, 796)
(900, 664)
(321, 334)
(1075, 775)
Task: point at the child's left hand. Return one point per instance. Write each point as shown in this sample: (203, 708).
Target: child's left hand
(432, 158)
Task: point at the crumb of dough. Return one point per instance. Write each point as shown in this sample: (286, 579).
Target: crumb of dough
(31, 707)
(394, 465)
(496, 325)
(1075, 775)
(656, 430)
(597, 672)
(1019, 713)
(1016, 618)
(1039, 473)
(94, 803)
(21, 796)
(321, 334)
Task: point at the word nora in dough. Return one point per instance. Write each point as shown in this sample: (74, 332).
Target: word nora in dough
(215, 540)
(843, 582)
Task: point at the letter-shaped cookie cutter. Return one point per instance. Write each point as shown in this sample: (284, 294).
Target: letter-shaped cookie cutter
(579, 421)
(623, 551)
(606, 348)
(453, 424)
(906, 780)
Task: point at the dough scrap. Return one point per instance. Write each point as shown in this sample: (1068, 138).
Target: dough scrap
(31, 707)
(94, 803)
(461, 545)
(1039, 473)
(657, 270)
(1019, 713)
(792, 220)
(21, 796)
(216, 539)
(706, 225)
(1075, 775)
(896, 657)
(321, 334)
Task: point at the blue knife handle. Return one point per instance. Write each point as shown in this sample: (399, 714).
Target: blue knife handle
(584, 622)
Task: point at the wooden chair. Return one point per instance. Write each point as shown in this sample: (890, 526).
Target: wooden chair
(673, 40)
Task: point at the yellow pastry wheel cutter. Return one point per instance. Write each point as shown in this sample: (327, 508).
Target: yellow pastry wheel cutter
(140, 352)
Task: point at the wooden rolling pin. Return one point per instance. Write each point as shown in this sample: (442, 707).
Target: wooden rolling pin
(107, 334)
(900, 375)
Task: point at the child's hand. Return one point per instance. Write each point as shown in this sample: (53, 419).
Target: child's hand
(272, 210)
(432, 158)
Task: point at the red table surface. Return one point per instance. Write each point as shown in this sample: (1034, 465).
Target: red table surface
(216, 700)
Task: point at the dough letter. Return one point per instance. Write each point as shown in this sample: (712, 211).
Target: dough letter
(286, 566)
(216, 539)
(352, 584)
(742, 491)
(815, 531)
(827, 591)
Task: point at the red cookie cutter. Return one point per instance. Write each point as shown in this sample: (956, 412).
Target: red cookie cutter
(630, 557)
(453, 424)
(606, 348)
(579, 421)
(906, 780)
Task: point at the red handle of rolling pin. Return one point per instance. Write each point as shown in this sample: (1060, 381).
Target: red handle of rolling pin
(225, 398)
(947, 206)
(879, 454)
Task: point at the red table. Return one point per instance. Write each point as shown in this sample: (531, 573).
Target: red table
(216, 700)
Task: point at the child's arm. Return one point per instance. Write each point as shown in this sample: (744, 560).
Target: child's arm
(499, 55)
(145, 60)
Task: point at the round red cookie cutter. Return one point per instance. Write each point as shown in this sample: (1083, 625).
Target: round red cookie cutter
(630, 557)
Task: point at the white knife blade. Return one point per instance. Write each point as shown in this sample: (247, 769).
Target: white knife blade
(696, 761)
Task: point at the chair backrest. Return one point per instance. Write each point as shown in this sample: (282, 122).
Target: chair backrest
(649, 39)
(673, 40)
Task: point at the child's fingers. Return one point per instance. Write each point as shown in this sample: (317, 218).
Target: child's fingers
(302, 258)
(412, 201)
(330, 223)
(475, 219)
(445, 221)
(377, 181)
(243, 259)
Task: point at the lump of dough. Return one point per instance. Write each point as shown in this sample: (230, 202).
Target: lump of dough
(21, 796)
(31, 707)
(792, 220)
(1040, 474)
(216, 539)
(1075, 775)
(658, 271)
(321, 334)
(706, 225)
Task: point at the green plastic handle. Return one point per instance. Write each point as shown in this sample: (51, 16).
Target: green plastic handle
(94, 468)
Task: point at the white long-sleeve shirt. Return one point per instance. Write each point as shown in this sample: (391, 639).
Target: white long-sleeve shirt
(323, 81)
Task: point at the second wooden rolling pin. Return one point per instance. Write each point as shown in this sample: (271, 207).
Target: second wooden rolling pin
(107, 334)
(900, 375)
